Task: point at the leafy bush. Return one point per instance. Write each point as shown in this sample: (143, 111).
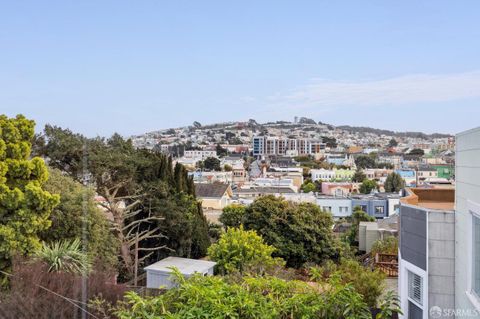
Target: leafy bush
(248, 297)
(238, 250)
(369, 283)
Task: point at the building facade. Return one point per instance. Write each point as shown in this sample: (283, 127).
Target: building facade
(467, 222)
(274, 146)
(427, 253)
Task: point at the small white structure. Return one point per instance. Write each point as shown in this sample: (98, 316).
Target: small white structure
(159, 274)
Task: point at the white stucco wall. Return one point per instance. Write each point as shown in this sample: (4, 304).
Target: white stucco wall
(467, 199)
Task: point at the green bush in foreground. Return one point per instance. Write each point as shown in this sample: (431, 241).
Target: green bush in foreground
(239, 249)
(248, 297)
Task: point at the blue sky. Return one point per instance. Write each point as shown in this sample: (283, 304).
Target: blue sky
(99, 67)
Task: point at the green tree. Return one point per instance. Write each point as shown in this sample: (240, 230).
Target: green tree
(148, 200)
(392, 143)
(367, 186)
(221, 151)
(359, 176)
(417, 152)
(64, 256)
(232, 215)
(365, 161)
(25, 206)
(300, 232)
(308, 187)
(394, 183)
(239, 250)
(212, 164)
(78, 212)
(227, 168)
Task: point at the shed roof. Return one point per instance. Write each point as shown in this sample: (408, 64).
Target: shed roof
(186, 266)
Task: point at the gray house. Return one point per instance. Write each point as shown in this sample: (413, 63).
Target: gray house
(426, 252)
(159, 274)
(371, 204)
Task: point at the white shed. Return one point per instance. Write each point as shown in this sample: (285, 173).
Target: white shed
(159, 274)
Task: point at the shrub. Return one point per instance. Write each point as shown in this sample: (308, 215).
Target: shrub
(369, 283)
(238, 250)
(248, 298)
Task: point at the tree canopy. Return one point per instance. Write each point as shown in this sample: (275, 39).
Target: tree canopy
(367, 186)
(149, 201)
(394, 183)
(25, 206)
(300, 232)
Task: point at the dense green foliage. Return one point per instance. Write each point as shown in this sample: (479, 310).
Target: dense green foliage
(300, 232)
(77, 215)
(232, 215)
(367, 186)
(212, 164)
(417, 152)
(392, 143)
(240, 250)
(25, 206)
(64, 256)
(248, 298)
(365, 161)
(394, 183)
(359, 176)
(148, 199)
(369, 283)
(308, 187)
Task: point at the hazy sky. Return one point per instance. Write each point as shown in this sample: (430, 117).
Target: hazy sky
(133, 66)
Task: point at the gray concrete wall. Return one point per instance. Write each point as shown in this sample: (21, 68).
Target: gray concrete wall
(413, 235)
(467, 172)
(441, 259)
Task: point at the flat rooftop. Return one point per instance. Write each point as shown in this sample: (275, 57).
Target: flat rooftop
(431, 198)
(186, 266)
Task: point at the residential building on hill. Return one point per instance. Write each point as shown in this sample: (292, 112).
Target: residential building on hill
(214, 195)
(273, 146)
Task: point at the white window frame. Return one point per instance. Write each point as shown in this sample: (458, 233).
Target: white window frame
(420, 302)
(474, 212)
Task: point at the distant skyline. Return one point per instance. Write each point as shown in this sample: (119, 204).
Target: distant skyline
(98, 67)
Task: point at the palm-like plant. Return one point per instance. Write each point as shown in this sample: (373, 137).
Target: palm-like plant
(64, 256)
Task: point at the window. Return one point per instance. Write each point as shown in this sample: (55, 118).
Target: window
(415, 287)
(327, 208)
(476, 255)
(379, 209)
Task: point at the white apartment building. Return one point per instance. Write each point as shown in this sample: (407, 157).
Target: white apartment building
(272, 145)
(200, 155)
